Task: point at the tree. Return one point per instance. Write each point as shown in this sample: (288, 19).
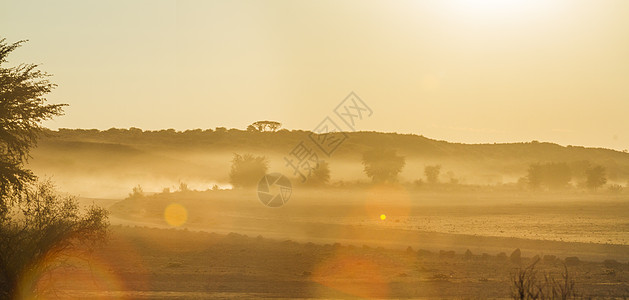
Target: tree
(262, 126)
(321, 174)
(22, 109)
(432, 173)
(247, 170)
(595, 177)
(36, 225)
(382, 165)
(137, 192)
(551, 175)
(183, 187)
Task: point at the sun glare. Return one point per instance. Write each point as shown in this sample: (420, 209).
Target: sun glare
(175, 215)
(494, 8)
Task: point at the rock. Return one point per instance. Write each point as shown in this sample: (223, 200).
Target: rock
(516, 256)
(611, 263)
(549, 258)
(468, 255)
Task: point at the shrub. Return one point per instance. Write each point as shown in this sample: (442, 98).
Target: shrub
(516, 256)
(44, 227)
(528, 284)
(247, 170)
(382, 165)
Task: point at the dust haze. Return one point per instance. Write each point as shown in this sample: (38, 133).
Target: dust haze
(420, 199)
(438, 149)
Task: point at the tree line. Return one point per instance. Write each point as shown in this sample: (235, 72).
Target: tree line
(383, 165)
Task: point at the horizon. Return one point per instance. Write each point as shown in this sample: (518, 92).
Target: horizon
(357, 131)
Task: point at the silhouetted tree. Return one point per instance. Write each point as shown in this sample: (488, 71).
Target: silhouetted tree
(137, 192)
(432, 173)
(183, 187)
(535, 175)
(382, 165)
(321, 174)
(595, 177)
(551, 175)
(262, 126)
(247, 170)
(35, 223)
(22, 109)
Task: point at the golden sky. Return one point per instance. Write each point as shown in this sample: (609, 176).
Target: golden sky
(468, 71)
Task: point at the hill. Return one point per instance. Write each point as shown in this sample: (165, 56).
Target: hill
(158, 159)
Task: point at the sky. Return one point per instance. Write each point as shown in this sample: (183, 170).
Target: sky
(468, 71)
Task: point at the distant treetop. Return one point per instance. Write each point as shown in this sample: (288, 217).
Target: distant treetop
(262, 126)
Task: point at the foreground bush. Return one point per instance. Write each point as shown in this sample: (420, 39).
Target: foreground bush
(38, 233)
(529, 284)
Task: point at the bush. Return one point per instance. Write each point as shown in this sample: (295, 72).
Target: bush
(528, 284)
(44, 227)
(551, 175)
(615, 188)
(136, 193)
(382, 165)
(432, 173)
(468, 255)
(321, 174)
(247, 170)
(516, 256)
(611, 263)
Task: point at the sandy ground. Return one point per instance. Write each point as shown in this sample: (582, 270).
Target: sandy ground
(595, 229)
(145, 263)
(335, 245)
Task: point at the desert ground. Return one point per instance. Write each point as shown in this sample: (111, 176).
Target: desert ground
(187, 234)
(232, 246)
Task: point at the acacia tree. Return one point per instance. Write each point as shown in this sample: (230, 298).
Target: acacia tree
(36, 225)
(382, 165)
(22, 109)
(262, 126)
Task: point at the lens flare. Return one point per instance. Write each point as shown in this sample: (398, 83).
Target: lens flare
(355, 275)
(175, 214)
